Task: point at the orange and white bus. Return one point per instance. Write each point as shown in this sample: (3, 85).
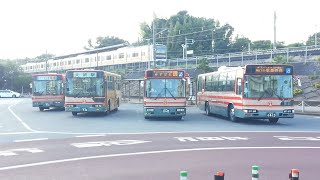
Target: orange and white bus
(164, 93)
(249, 92)
(94, 91)
(47, 91)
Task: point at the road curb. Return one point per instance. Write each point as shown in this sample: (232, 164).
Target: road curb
(309, 113)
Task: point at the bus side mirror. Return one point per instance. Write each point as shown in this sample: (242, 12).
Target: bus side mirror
(142, 83)
(202, 90)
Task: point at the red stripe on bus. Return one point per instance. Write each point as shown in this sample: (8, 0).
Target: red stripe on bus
(83, 103)
(164, 102)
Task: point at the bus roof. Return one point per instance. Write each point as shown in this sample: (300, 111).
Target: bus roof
(252, 69)
(165, 73)
(48, 74)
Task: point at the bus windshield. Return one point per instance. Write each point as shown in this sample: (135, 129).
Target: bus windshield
(169, 88)
(47, 87)
(268, 86)
(85, 87)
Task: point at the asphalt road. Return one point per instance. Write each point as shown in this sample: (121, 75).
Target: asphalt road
(123, 145)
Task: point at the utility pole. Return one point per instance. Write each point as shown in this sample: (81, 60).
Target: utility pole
(315, 37)
(149, 53)
(153, 41)
(274, 31)
(46, 59)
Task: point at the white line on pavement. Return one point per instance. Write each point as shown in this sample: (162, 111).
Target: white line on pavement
(143, 133)
(144, 153)
(28, 140)
(92, 135)
(19, 119)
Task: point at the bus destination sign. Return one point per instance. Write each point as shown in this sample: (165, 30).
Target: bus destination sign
(85, 74)
(169, 73)
(46, 78)
(269, 69)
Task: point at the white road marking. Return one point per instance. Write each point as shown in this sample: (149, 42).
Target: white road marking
(19, 119)
(28, 140)
(92, 135)
(220, 138)
(144, 133)
(288, 138)
(181, 132)
(13, 152)
(108, 143)
(144, 153)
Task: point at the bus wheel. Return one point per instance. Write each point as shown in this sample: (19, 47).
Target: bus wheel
(109, 108)
(231, 113)
(207, 109)
(178, 117)
(146, 117)
(74, 113)
(273, 120)
(41, 108)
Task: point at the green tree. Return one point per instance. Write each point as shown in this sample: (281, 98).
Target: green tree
(11, 76)
(280, 44)
(310, 41)
(222, 38)
(204, 65)
(240, 44)
(261, 45)
(279, 60)
(104, 42)
(297, 44)
(174, 31)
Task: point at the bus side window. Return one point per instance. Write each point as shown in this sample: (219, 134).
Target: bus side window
(239, 86)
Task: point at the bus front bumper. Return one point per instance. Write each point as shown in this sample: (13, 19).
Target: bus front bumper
(47, 104)
(266, 114)
(84, 108)
(164, 111)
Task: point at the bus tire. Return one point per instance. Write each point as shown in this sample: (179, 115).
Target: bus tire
(109, 108)
(207, 108)
(116, 109)
(146, 117)
(41, 108)
(231, 113)
(178, 117)
(273, 120)
(74, 113)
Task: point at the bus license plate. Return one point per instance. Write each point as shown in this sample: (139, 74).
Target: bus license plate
(84, 109)
(166, 110)
(271, 115)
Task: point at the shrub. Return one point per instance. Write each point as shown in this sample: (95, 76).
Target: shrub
(313, 77)
(317, 85)
(297, 91)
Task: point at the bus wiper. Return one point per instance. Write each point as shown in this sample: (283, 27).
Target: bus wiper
(159, 94)
(78, 94)
(170, 93)
(264, 92)
(274, 93)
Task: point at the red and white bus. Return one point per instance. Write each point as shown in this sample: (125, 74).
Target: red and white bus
(165, 93)
(47, 91)
(249, 92)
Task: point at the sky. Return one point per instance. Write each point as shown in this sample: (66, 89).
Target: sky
(29, 28)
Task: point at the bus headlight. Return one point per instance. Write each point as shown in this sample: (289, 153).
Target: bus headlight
(288, 111)
(180, 110)
(70, 105)
(97, 105)
(250, 110)
(149, 109)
